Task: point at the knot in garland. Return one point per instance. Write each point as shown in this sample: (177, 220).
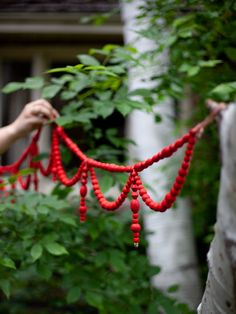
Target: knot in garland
(86, 170)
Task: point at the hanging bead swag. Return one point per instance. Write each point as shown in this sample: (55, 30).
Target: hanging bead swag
(134, 184)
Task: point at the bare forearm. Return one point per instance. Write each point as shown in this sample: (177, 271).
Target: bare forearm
(34, 115)
(8, 136)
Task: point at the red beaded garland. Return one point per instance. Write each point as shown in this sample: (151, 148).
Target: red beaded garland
(134, 184)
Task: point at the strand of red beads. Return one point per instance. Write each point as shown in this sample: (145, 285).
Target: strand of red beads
(61, 174)
(55, 154)
(83, 192)
(170, 197)
(135, 206)
(105, 204)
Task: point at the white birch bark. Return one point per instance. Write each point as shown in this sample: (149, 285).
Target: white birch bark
(171, 244)
(220, 293)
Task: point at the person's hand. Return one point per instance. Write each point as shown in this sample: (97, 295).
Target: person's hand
(34, 115)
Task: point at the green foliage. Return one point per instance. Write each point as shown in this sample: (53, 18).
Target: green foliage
(49, 262)
(201, 45)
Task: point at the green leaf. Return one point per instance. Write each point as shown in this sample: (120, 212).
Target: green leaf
(116, 69)
(117, 260)
(103, 108)
(83, 117)
(44, 271)
(88, 60)
(40, 157)
(62, 79)
(78, 66)
(94, 299)
(5, 285)
(209, 63)
(109, 47)
(231, 53)
(50, 91)
(36, 251)
(12, 87)
(73, 295)
(183, 20)
(154, 270)
(42, 209)
(123, 108)
(67, 95)
(68, 69)
(158, 118)
(78, 85)
(68, 220)
(106, 182)
(64, 120)
(104, 95)
(224, 90)
(191, 70)
(173, 288)
(95, 67)
(34, 82)
(72, 107)
(140, 92)
(55, 249)
(107, 73)
(25, 172)
(101, 259)
(7, 262)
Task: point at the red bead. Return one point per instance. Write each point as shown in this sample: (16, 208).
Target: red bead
(136, 240)
(182, 173)
(169, 198)
(145, 197)
(83, 181)
(178, 143)
(135, 216)
(184, 165)
(84, 175)
(189, 152)
(83, 190)
(142, 191)
(96, 186)
(83, 209)
(135, 227)
(177, 186)
(174, 192)
(187, 159)
(186, 137)
(135, 206)
(82, 218)
(134, 194)
(180, 179)
(192, 140)
(166, 152)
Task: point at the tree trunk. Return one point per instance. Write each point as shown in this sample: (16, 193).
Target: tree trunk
(220, 293)
(171, 244)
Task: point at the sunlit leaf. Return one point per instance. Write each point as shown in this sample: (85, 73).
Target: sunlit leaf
(36, 251)
(55, 248)
(88, 60)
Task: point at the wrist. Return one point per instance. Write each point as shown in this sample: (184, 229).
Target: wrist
(12, 132)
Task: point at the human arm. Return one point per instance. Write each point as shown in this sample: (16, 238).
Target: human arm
(34, 115)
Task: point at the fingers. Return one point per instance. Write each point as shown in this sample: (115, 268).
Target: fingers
(41, 108)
